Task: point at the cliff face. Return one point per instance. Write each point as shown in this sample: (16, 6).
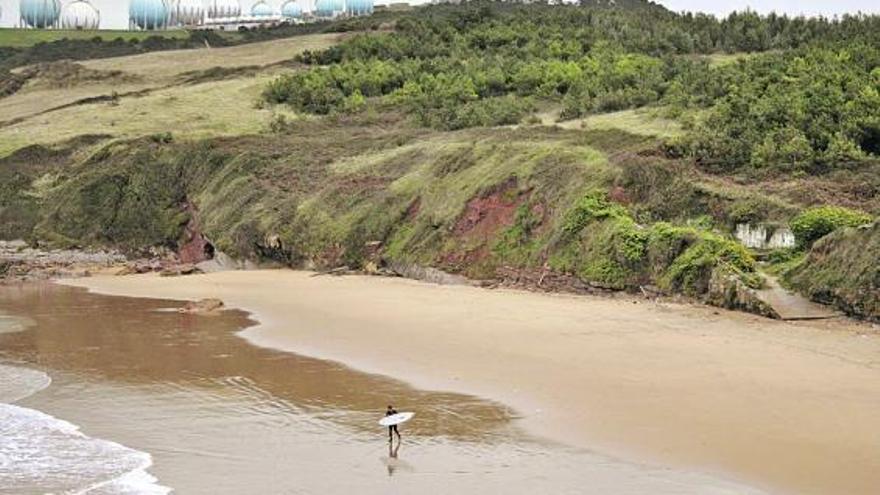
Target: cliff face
(500, 205)
(843, 269)
(533, 207)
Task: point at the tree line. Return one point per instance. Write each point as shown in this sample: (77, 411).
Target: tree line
(801, 93)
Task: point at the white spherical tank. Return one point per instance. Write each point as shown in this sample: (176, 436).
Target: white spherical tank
(261, 9)
(291, 10)
(223, 9)
(80, 14)
(39, 14)
(148, 14)
(187, 13)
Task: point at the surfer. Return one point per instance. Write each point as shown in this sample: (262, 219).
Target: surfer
(392, 428)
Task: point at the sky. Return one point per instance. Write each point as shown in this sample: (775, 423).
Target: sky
(114, 13)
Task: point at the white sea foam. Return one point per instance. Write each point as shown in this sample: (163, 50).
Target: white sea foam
(43, 454)
(10, 324)
(16, 383)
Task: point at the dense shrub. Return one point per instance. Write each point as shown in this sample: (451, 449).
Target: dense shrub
(601, 243)
(593, 206)
(790, 111)
(815, 223)
(690, 272)
(810, 104)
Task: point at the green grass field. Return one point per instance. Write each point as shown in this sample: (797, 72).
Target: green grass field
(214, 108)
(20, 38)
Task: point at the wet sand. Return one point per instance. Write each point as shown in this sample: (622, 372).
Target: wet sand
(786, 406)
(119, 385)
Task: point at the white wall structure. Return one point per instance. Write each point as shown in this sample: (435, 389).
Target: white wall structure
(764, 236)
(80, 14)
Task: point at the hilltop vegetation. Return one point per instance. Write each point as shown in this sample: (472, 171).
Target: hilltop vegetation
(566, 147)
(814, 104)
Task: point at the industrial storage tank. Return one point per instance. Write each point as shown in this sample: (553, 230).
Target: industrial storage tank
(291, 10)
(261, 9)
(148, 14)
(39, 13)
(186, 13)
(359, 7)
(324, 8)
(223, 9)
(80, 14)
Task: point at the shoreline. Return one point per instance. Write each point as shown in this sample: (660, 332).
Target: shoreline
(660, 383)
(170, 383)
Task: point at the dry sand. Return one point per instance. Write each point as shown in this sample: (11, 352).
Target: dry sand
(790, 407)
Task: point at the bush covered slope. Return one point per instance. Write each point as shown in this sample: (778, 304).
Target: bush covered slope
(843, 269)
(812, 103)
(435, 144)
(486, 203)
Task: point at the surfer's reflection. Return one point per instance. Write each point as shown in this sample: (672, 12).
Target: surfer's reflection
(392, 457)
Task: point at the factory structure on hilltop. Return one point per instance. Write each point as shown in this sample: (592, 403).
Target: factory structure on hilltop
(187, 14)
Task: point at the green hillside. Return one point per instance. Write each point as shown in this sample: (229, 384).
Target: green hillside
(21, 38)
(594, 147)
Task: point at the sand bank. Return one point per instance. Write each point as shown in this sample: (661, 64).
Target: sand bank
(785, 406)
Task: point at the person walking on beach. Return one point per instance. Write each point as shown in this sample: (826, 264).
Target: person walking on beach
(393, 428)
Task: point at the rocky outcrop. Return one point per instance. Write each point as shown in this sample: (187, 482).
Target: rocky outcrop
(204, 306)
(194, 246)
(427, 274)
(178, 270)
(22, 262)
(727, 290)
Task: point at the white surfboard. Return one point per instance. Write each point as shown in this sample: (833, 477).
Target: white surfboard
(396, 419)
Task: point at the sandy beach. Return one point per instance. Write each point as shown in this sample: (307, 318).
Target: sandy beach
(788, 407)
(119, 395)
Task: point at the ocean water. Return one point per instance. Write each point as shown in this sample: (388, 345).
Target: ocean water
(43, 454)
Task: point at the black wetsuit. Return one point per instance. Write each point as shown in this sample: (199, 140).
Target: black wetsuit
(392, 428)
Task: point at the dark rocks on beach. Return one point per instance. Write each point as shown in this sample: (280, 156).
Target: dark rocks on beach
(21, 262)
(178, 270)
(203, 306)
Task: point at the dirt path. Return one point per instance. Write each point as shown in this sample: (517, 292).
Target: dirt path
(791, 306)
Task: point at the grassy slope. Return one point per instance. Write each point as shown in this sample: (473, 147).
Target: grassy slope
(19, 38)
(219, 108)
(843, 269)
(324, 193)
(478, 202)
(212, 108)
(636, 121)
(639, 122)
